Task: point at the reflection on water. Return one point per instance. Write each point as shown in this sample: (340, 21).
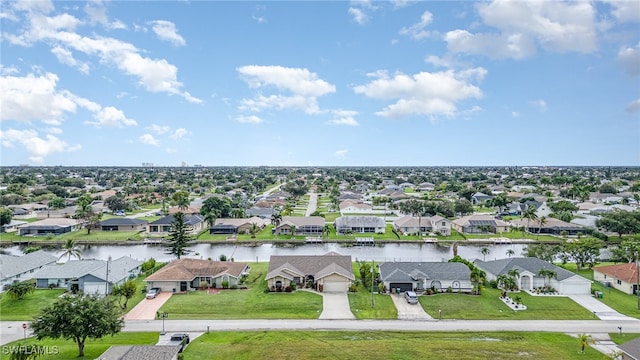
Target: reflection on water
(379, 253)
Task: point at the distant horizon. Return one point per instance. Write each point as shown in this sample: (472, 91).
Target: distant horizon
(320, 83)
(318, 166)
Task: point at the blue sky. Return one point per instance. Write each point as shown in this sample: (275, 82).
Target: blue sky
(363, 83)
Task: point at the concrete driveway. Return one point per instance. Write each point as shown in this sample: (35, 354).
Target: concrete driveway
(147, 308)
(599, 309)
(408, 311)
(335, 306)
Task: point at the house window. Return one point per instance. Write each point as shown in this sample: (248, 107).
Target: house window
(605, 276)
(619, 282)
(444, 224)
(18, 276)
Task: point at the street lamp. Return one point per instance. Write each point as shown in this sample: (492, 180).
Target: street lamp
(164, 315)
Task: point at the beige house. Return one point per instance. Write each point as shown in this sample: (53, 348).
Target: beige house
(189, 274)
(623, 277)
(353, 206)
(427, 224)
(325, 273)
(238, 226)
(301, 225)
(479, 224)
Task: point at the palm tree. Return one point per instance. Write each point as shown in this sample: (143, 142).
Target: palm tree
(485, 251)
(276, 218)
(70, 249)
(293, 230)
(327, 229)
(477, 277)
(510, 252)
(530, 214)
(548, 274)
(253, 230)
(514, 274)
(541, 222)
(584, 340)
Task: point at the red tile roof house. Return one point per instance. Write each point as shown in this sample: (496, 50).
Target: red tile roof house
(189, 274)
(623, 277)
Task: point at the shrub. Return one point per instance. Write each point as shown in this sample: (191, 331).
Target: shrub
(288, 289)
(234, 286)
(148, 265)
(204, 285)
(214, 285)
(223, 257)
(294, 286)
(449, 289)
(493, 284)
(225, 284)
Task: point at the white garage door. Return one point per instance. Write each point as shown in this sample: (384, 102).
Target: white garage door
(335, 286)
(576, 288)
(93, 288)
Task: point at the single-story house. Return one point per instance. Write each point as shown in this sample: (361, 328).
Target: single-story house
(425, 186)
(262, 212)
(426, 224)
(478, 224)
(237, 226)
(89, 276)
(566, 282)
(419, 276)
(355, 207)
(50, 226)
(360, 224)
(331, 272)
(630, 349)
(480, 198)
(12, 226)
(303, 225)
(123, 224)
(623, 277)
(23, 213)
(551, 226)
(193, 222)
(189, 274)
(20, 268)
(141, 352)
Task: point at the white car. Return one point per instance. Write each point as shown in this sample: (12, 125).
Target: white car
(152, 293)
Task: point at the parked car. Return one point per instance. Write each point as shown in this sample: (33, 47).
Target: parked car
(153, 292)
(181, 339)
(411, 297)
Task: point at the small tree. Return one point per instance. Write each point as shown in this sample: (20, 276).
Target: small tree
(78, 317)
(5, 216)
(20, 289)
(485, 251)
(584, 340)
(70, 249)
(179, 237)
(125, 292)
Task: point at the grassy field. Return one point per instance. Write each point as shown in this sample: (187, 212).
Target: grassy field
(29, 306)
(489, 306)
(68, 349)
(386, 345)
(253, 303)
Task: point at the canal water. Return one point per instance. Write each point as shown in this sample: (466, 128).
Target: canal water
(380, 252)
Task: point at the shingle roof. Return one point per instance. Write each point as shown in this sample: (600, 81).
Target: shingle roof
(140, 352)
(188, 220)
(631, 348)
(302, 221)
(122, 221)
(188, 269)
(531, 264)
(13, 265)
(317, 265)
(118, 269)
(411, 271)
(358, 221)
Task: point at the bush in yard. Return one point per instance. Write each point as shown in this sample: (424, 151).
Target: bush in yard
(204, 285)
(20, 289)
(148, 265)
(234, 286)
(287, 289)
(225, 284)
(294, 286)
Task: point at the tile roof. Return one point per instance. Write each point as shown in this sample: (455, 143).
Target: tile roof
(188, 269)
(625, 272)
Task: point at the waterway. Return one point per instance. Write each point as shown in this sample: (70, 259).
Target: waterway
(380, 252)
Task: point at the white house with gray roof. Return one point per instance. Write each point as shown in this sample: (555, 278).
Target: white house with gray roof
(89, 276)
(20, 268)
(419, 276)
(360, 224)
(566, 282)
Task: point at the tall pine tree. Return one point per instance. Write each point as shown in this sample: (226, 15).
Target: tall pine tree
(179, 237)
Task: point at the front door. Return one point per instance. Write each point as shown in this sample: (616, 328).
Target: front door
(183, 286)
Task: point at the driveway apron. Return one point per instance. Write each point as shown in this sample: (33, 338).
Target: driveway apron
(599, 309)
(335, 306)
(408, 311)
(147, 308)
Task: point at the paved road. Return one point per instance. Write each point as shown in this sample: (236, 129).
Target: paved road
(313, 203)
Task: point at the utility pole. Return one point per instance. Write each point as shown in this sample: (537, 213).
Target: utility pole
(372, 274)
(106, 280)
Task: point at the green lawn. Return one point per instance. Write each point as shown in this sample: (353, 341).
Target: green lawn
(29, 306)
(253, 303)
(489, 306)
(621, 339)
(383, 307)
(248, 345)
(68, 349)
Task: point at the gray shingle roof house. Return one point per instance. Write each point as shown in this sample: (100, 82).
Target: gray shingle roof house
(304, 225)
(418, 276)
(412, 225)
(237, 226)
(330, 272)
(566, 283)
(630, 349)
(263, 212)
(194, 223)
(89, 276)
(360, 224)
(141, 352)
(50, 226)
(475, 224)
(20, 268)
(188, 274)
(123, 224)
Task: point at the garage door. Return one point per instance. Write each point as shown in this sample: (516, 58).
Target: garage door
(576, 288)
(402, 286)
(93, 288)
(335, 286)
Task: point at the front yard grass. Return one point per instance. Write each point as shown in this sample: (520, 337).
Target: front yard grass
(383, 307)
(386, 345)
(624, 337)
(93, 348)
(29, 307)
(489, 306)
(252, 303)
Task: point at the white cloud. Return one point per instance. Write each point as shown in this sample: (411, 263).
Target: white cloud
(159, 129)
(625, 11)
(250, 119)
(634, 106)
(179, 133)
(515, 46)
(155, 75)
(64, 56)
(629, 59)
(341, 153)
(515, 114)
(541, 104)
(149, 140)
(424, 93)
(438, 61)
(53, 130)
(111, 117)
(358, 15)
(344, 117)
(417, 31)
(38, 147)
(304, 85)
(166, 31)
